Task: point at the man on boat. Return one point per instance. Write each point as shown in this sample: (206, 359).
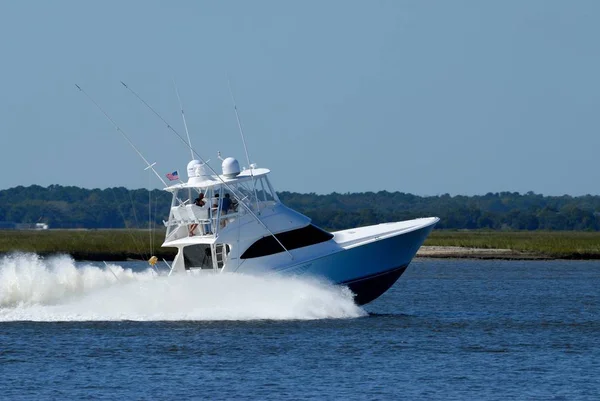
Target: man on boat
(225, 206)
(199, 201)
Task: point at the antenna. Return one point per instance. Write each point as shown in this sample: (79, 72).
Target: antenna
(232, 190)
(237, 117)
(148, 165)
(182, 116)
(250, 166)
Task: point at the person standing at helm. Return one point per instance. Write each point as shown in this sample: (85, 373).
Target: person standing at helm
(225, 207)
(215, 204)
(226, 204)
(199, 201)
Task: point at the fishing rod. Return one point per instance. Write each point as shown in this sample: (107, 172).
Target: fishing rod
(232, 190)
(148, 165)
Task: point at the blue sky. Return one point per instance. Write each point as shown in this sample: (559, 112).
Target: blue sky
(461, 97)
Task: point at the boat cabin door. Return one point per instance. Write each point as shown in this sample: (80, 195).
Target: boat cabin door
(205, 256)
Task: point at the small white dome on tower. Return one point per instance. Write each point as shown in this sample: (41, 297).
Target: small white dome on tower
(231, 167)
(196, 169)
(191, 168)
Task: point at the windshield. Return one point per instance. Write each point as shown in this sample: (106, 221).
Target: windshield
(206, 210)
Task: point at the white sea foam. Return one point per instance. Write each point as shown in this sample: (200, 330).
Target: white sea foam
(56, 289)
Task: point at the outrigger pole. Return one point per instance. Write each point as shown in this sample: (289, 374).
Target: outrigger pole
(148, 164)
(237, 117)
(182, 116)
(248, 209)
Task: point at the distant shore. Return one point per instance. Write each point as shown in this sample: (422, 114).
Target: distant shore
(436, 252)
(531, 245)
(120, 244)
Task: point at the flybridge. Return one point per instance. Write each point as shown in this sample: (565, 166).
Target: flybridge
(206, 204)
(200, 176)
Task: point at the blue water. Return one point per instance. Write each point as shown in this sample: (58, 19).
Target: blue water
(448, 330)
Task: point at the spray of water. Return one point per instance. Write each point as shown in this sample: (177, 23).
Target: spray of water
(56, 289)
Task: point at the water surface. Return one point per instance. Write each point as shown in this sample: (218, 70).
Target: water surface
(448, 330)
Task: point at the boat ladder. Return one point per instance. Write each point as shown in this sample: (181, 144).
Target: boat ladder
(218, 255)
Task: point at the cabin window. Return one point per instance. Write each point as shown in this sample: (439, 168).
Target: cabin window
(245, 190)
(294, 239)
(197, 256)
(200, 256)
(260, 186)
(264, 190)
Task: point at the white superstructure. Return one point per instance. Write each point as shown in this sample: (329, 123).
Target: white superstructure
(241, 226)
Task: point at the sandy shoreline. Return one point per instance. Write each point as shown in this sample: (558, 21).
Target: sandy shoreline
(474, 253)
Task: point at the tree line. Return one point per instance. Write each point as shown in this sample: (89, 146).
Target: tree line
(119, 207)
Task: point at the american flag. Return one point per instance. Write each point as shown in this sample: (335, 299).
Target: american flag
(173, 176)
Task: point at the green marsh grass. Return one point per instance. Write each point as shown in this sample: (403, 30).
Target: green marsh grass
(87, 244)
(555, 244)
(135, 244)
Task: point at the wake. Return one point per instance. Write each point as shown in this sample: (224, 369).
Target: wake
(58, 289)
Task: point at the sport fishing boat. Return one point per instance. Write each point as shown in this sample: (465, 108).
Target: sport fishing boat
(234, 222)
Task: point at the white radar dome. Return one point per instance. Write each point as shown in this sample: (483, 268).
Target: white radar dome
(231, 167)
(191, 168)
(196, 168)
